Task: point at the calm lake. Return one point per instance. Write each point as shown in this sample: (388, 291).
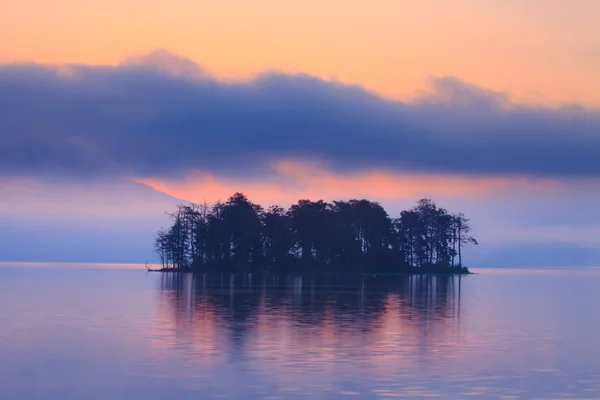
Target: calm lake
(115, 333)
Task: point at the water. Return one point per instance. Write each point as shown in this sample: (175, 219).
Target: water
(99, 333)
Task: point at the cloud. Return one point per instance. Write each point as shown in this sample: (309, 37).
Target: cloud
(161, 116)
(34, 200)
(165, 61)
(291, 180)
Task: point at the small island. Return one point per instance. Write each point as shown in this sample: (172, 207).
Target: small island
(313, 237)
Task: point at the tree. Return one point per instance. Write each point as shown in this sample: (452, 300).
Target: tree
(307, 222)
(357, 235)
(278, 238)
(243, 227)
(412, 233)
(160, 246)
(462, 229)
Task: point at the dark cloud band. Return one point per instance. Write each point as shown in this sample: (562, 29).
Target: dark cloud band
(140, 119)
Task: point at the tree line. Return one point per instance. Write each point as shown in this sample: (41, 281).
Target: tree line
(354, 235)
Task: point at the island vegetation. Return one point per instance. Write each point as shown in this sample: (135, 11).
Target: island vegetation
(355, 236)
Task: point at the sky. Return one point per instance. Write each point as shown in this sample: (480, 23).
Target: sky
(112, 112)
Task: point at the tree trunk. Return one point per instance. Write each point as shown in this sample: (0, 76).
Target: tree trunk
(459, 245)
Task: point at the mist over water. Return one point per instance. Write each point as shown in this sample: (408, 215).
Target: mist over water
(125, 333)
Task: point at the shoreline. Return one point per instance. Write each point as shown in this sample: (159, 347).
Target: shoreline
(456, 271)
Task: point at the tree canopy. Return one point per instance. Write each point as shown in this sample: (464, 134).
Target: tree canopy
(354, 235)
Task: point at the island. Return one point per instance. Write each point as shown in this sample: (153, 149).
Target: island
(313, 237)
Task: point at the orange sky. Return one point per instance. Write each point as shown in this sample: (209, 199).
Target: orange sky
(540, 51)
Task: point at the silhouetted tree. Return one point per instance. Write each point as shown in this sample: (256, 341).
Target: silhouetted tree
(278, 238)
(308, 224)
(357, 235)
(243, 227)
(160, 246)
(461, 231)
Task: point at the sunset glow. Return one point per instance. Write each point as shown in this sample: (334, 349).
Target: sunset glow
(539, 51)
(294, 180)
(274, 199)
(115, 111)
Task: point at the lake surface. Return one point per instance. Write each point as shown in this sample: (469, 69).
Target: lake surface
(99, 333)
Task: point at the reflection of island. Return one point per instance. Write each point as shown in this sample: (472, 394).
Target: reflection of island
(238, 316)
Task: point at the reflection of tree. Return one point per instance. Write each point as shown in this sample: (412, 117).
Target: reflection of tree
(240, 306)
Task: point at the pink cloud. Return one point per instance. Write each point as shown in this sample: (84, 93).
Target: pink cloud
(292, 180)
